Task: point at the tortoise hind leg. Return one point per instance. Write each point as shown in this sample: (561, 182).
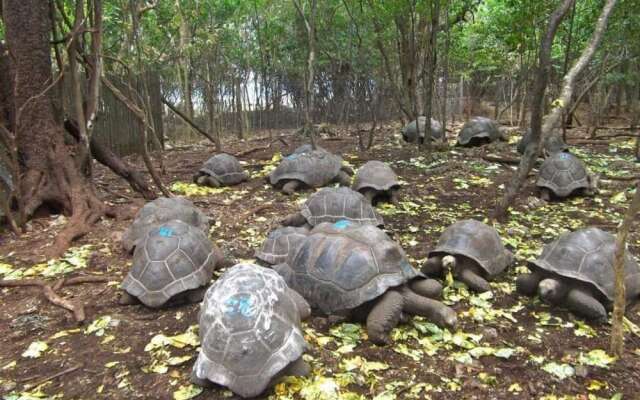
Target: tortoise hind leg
(195, 295)
(584, 304)
(395, 196)
(205, 383)
(298, 367)
(303, 306)
(384, 316)
(127, 299)
(545, 194)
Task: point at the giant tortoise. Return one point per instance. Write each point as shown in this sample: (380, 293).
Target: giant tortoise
(250, 331)
(161, 210)
(333, 204)
(357, 270)
(472, 251)
(561, 174)
(313, 169)
(221, 170)
(479, 130)
(173, 261)
(576, 271)
(377, 181)
(409, 131)
(280, 243)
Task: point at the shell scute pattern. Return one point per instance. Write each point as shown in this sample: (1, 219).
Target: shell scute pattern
(334, 204)
(224, 167)
(376, 175)
(563, 173)
(315, 168)
(280, 243)
(479, 127)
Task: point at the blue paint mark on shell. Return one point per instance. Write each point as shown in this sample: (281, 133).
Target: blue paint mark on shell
(240, 304)
(342, 224)
(292, 156)
(565, 156)
(165, 231)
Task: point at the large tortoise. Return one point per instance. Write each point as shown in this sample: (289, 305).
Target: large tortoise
(472, 251)
(563, 173)
(479, 130)
(409, 131)
(173, 261)
(280, 243)
(334, 204)
(576, 271)
(161, 210)
(357, 270)
(221, 170)
(250, 331)
(377, 181)
(313, 169)
(553, 143)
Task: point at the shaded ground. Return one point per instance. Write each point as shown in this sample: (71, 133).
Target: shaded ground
(507, 346)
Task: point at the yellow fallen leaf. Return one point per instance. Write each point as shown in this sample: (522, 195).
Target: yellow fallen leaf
(35, 349)
(187, 392)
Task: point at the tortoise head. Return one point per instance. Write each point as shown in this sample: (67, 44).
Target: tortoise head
(551, 290)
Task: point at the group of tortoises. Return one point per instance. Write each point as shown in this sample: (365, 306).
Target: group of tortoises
(333, 257)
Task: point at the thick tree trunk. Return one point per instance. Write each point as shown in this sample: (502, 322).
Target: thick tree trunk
(6, 89)
(50, 175)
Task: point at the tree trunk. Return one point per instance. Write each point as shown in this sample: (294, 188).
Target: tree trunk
(7, 110)
(538, 132)
(310, 26)
(50, 175)
(617, 323)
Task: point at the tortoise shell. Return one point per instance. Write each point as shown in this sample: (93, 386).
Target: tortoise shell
(161, 210)
(479, 128)
(409, 132)
(225, 168)
(375, 175)
(249, 330)
(315, 168)
(587, 255)
(172, 258)
(563, 173)
(477, 241)
(280, 243)
(342, 265)
(334, 204)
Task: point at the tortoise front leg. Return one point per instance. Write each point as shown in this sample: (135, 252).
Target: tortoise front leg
(545, 194)
(434, 310)
(205, 383)
(473, 280)
(426, 287)
(347, 170)
(395, 196)
(206, 180)
(195, 296)
(527, 284)
(581, 302)
(290, 187)
(384, 316)
(369, 194)
(343, 179)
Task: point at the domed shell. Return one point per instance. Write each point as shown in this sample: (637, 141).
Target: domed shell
(478, 128)
(315, 169)
(409, 132)
(341, 266)
(280, 243)
(587, 255)
(375, 175)
(334, 204)
(161, 210)
(225, 168)
(477, 241)
(249, 330)
(563, 173)
(173, 257)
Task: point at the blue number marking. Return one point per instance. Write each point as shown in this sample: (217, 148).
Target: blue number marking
(343, 223)
(242, 305)
(565, 155)
(165, 231)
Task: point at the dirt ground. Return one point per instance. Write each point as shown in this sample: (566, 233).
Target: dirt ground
(507, 347)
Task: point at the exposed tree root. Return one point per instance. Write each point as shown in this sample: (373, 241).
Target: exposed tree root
(74, 306)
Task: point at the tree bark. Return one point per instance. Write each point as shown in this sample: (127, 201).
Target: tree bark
(617, 323)
(540, 86)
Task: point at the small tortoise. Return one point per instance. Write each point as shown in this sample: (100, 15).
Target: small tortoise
(576, 271)
(376, 181)
(314, 169)
(280, 243)
(221, 170)
(333, 204)
(473, 251)
(562, 174)
(409, 132)
(250, 331)
(357, 270)
(479, 130)
(173, 261)
(161, 210)
(553, 143)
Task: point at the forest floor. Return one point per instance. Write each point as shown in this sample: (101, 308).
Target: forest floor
(507, 346)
